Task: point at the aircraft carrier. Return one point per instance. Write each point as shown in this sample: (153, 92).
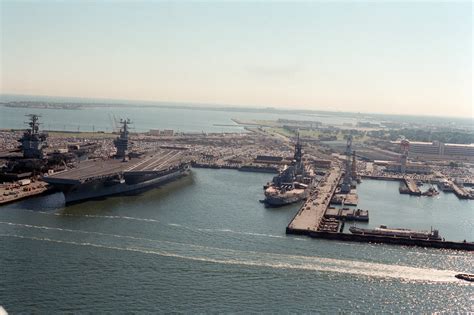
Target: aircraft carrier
(124, 173)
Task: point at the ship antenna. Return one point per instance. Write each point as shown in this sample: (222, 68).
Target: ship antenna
(298, 154)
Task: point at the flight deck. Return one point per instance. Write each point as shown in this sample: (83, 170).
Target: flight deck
(94, 169)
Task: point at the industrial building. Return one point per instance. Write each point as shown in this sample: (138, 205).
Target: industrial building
(438, 149)
(411, 168)
(165, 133)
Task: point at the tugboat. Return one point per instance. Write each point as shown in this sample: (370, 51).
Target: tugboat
(465, 276)
(431, 192)
(292, 184)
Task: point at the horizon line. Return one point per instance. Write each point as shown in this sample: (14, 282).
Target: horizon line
(233, 106)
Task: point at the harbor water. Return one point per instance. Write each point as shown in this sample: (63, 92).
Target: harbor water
(453, 217)
(206, 244)
(146, 118)
(184, 118)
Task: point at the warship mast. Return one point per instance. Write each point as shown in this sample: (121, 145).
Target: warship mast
(347, 181)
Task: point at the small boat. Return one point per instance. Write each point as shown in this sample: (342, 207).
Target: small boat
(465, 276)
(431, 192)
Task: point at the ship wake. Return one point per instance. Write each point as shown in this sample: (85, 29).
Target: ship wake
(208, 254)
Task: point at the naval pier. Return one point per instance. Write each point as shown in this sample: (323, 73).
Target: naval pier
(312, 220)
(310, 217)
(408, 186)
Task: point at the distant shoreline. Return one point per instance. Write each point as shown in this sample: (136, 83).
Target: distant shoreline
(57, 102)
(42, 105)
(84, 105)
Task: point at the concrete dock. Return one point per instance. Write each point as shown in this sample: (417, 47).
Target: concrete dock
(311, 220)
(411, 187)
(347, 214)
(461, 192)
(351, 199)
(411, 184)
(311, 213)
(14, 192)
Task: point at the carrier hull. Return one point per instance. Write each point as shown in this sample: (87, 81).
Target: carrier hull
(103, 188)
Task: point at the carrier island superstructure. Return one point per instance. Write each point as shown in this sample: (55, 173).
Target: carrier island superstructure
(123, 173)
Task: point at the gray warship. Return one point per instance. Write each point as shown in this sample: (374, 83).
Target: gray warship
(34, 156)
(292, 184)
(123, 173)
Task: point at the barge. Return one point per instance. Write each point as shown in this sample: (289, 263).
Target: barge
(396, 232)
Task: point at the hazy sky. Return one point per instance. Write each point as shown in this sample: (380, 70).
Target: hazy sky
(392, 57)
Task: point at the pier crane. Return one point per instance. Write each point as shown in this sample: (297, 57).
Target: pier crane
(405, 146)
(347, 181)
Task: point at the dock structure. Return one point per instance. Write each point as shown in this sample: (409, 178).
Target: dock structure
(14, 192)
(347, 214)
(350, 199)
(311, 213)
(411, 187)
(461, 192)
(315, 220)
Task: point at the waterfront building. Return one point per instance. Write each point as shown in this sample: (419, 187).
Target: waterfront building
(322, 164)
(165, 133)
(416, 168)
(269, 159)
(439, 150)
